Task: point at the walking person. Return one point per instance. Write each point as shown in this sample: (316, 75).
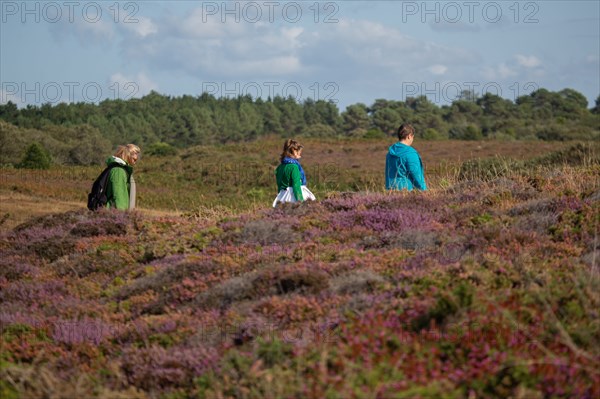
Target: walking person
(403, 165)
(121, 188)
(290, 177)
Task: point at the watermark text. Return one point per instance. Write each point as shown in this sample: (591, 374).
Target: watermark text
(439, 92)
(470, 11)
(57, 92)
(68, 11)
(316, 90)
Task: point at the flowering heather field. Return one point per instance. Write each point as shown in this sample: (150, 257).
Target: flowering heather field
(240, 176)
(487, 288)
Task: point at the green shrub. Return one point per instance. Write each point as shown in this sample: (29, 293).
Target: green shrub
(433, 134)
(374, 134)
(575, 155)
(273, 351)
(161, 150)
(488, 169)
(319, 130)
(36, 157)
(7, 391)
(469, 132)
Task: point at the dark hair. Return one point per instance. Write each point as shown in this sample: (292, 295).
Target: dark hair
(289, 147)
(405, 130)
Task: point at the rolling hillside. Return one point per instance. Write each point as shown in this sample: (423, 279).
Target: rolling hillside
(237, 178)
(486, 287)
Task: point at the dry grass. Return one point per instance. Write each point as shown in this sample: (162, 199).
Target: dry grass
(37, 381)
(17, 208)
(209, 182)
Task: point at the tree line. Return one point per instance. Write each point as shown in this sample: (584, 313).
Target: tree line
(77, 133)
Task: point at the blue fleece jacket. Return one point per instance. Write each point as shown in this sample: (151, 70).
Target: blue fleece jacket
(404, 168)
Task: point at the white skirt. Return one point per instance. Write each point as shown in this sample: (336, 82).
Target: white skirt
(287, 195)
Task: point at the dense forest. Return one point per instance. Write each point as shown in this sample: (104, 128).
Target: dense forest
(83, 133)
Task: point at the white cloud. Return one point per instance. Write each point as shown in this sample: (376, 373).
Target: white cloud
(199, 25)
(455, 27)
(124, 86)
(203, 46)
(100, 29)
(207, 48)
(488, 73)
(278, 66)
(501, 71)
(359, 44)
(592, 59)
(142, 28)
(86, 30)
(438, 69)
(292, 35)
(349, 58)
(506, 71)
(370, 56)
(357, 55)
(528, 61)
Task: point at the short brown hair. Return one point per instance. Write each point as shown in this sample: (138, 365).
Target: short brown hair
(405, 130)
(289, 147)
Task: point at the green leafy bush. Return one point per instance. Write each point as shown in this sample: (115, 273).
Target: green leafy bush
(161, 150)
(36, 157)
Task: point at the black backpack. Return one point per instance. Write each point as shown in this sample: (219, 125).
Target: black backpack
(97, 198)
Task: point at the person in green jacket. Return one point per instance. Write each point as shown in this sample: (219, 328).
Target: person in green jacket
(403, 165)
(290, 177)
(121, 189)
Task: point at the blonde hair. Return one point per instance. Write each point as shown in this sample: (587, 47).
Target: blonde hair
(126, 152)
(289, 147)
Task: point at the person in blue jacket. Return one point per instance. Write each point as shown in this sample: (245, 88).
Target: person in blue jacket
(403, 165)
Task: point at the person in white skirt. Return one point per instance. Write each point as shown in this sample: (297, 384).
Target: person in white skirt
(291, 180)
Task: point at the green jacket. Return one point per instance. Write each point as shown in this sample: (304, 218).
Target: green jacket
(288, 175)
(117, 190)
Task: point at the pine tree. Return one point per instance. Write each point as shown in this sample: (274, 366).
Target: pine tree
(36, 157)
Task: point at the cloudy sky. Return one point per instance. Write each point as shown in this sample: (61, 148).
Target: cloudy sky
(345, 51)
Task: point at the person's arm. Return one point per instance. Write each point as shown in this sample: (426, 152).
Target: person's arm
(415, 171)
(297, 183)
(118, 182)
(388, 173)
